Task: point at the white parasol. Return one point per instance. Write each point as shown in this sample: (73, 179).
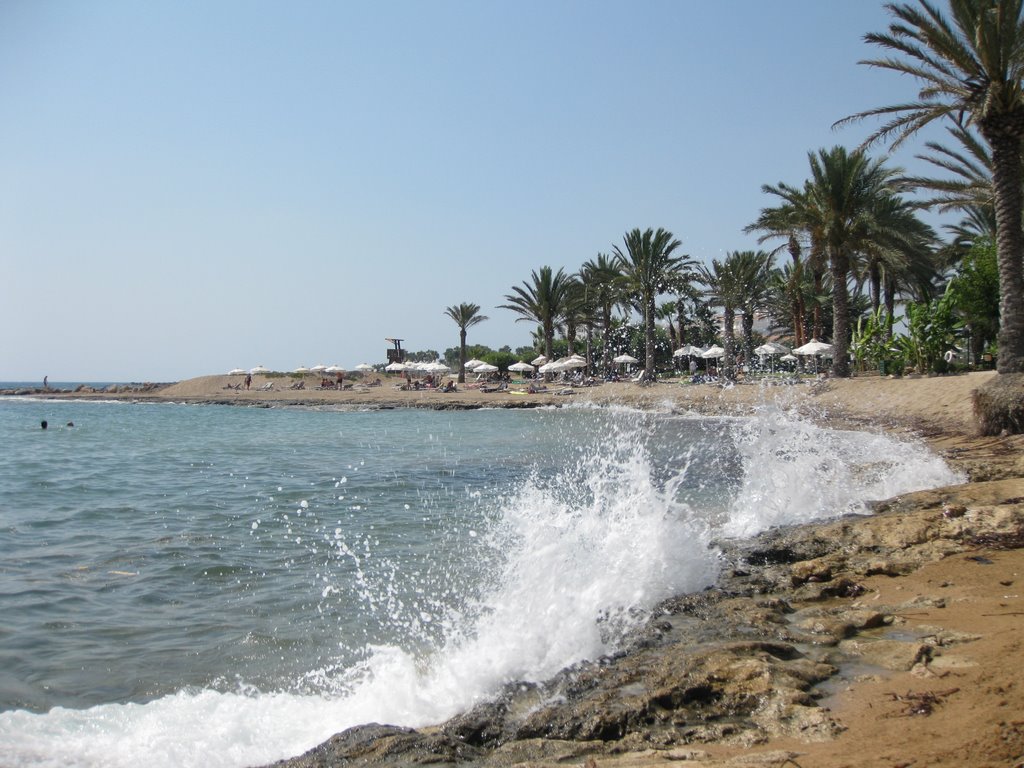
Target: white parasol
(814, 347)
(688, 351)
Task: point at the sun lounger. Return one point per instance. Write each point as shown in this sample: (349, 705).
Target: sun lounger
(298, 385)
(267, 387)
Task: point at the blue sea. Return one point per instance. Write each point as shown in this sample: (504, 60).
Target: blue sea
(188, 585)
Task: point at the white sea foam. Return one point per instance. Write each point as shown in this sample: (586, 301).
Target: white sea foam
(795, 471)
(577, 556)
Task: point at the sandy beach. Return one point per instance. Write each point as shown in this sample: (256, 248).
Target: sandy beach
(941, 572)
(929, 404)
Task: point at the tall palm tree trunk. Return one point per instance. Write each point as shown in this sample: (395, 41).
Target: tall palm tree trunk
(606, 325)
(890, 307)
(797, 315)
(1006, 175)
(839, 266)
(817, 327)
(747, 322)
(649, 339)
(875, 277)
(462, 356)
(799, 309)
(729, 342)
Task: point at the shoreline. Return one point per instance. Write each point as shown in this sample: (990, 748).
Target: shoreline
(930, 405)
(886, 639)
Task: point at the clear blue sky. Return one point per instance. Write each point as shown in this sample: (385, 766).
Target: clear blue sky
(190, 186)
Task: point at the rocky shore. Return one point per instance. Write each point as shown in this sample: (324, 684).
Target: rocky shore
(892, 639)
(917, 608)
(889, 639)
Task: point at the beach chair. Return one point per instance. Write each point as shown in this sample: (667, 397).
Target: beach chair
(266, 387)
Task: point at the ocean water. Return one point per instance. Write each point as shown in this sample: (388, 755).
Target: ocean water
(186, 585)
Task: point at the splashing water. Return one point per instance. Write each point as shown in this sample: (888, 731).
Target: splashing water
(558, 531)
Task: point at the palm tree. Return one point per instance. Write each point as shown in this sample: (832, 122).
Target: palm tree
(465, 316)
(648, 267)
(602, 284)
(790, 293)
(789, 219)
(970, 167)
(542, 301)
(971, 67)
(721, 281)
(900, 257)
(752, 277)
(841, 201)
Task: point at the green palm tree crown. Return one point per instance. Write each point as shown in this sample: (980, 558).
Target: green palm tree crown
(971, 69)
(843, 195)
(603, 286)
(753, 285)
(722, 281)
(790, 219)
(649, 268)
(541, 300)
(465, 316)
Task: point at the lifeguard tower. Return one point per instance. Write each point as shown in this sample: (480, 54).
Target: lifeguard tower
(396, 354)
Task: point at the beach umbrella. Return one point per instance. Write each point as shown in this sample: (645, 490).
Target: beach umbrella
(334, 369)
(548, 368)
(521, 367)
(688, 351)
(319, 368)
(570, 363)
(789, 358)
(364, 367)
(814, 348)
(712, 353)
(301, 369)
(539, 360)
(472, 364)
(259, 369)
(236, 372)
(485, 368)
(771, 349)
(396, 366)
(625, 360)
(436, 367)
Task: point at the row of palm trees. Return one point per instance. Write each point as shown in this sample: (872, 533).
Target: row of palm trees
(849, 224)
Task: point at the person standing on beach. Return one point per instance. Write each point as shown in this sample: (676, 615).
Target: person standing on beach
(45, 384)
(248, 380)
